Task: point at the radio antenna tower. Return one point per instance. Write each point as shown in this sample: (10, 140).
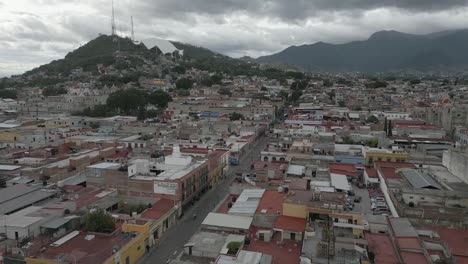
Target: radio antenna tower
(133, 32)
(113, 20)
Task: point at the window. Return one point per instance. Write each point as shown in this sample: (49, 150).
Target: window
(127, 260)
(138, 248)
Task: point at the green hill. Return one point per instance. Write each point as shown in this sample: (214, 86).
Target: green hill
(383, 51)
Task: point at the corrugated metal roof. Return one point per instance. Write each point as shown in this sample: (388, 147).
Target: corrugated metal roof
(340, 182)
(227, 221)
(55, 223)
(420, 179)
(247, 202)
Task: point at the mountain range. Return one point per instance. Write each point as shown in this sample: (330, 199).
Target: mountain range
(383, 51)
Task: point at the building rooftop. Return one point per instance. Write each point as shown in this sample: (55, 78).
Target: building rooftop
(290, 223)
(247, 202)
(159, 209)
(382, 247)
(81, 250)
(9, 167)
(227, 221)
(388, 169)
(419, 179)
(402, 227)
(19, 196)
(289, 252)
(413, 257)
(271, 202)
(104, 165)
(456, 239)
(340, 182)
(174, 174)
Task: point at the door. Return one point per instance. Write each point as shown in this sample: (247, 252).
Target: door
(262, 237)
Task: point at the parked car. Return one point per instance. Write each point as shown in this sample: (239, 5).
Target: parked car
(381, 208)
(377, 199)
(357, 199)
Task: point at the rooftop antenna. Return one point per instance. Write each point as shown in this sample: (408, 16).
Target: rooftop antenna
(133, 32)
(113, 20)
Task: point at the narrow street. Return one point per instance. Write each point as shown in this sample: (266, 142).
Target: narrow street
(173, 241)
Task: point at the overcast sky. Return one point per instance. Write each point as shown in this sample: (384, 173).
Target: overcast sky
(34, 32)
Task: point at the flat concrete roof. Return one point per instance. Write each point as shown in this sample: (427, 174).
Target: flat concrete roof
(104, 165)
(227, 221)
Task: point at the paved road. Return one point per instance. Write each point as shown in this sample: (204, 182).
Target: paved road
(173, 241)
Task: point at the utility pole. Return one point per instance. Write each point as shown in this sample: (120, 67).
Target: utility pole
(133, 32)
(113, 20)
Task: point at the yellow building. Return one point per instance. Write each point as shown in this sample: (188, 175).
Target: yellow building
(374, 154)
(130, 249)
(346, 220)
(135, 249)
(10, 136)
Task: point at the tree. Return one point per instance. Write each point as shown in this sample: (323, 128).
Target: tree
(127, 101)
(152, 113)
(377, 84)
(357, 108)
(183, 92)
(216, 79)
(184, 83)
(207, 82)
(327, 83)
(372, 119)
(159, 98)
(225, 91)
(263, 88)
(99, 221)
(236, 116)
(8, 93)
(373, 142)
(234, 246)
(389, 134)
(178, 69)
(284, 95)
(53, 91)
(348, 140)
(296, 94)
(94, 125)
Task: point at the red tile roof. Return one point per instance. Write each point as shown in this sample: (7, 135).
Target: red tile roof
(381, 246)
(159, 209)
(413, 257)
(194, 150)
(388, 168)
(372, 173)
(290, 223)
(408, 243)
(272, 202)
(84, 251)
(289, 253)
(456, 239)
(343, 169)
(297, 184)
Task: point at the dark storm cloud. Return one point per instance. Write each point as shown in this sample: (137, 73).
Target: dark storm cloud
(288, 10)
(37, 31)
